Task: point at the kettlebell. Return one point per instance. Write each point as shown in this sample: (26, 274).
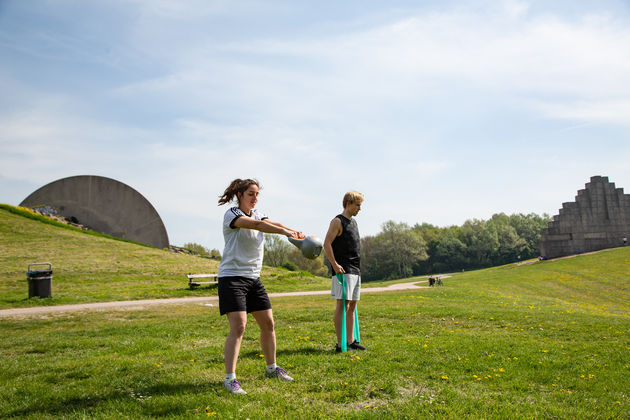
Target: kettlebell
(311, 246)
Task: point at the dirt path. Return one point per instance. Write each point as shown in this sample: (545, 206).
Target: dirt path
(210, 300)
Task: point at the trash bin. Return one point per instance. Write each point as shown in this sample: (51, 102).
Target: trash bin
(39, 281)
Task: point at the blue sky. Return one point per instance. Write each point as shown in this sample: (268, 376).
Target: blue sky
(438, 111)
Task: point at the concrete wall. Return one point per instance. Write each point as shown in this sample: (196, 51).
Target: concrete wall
(599, 218)
(104, 205)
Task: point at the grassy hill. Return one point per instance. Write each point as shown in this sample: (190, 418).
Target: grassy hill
(549, 339)
(89, 267)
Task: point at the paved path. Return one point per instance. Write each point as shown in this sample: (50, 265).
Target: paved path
(139, 304)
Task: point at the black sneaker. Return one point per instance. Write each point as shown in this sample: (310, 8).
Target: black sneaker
(356, 346)
(337, 349)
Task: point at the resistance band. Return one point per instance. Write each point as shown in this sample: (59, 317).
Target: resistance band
(357, 334)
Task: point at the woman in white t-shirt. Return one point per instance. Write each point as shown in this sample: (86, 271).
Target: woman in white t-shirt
(240, 289)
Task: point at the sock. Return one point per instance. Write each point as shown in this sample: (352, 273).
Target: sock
(229, 377)
(271, 367)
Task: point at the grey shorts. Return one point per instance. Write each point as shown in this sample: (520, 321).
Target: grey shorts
(353, 287)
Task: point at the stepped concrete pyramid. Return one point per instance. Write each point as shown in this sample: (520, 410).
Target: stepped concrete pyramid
(599, 218)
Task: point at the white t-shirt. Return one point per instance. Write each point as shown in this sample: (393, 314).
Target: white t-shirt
(243, 252)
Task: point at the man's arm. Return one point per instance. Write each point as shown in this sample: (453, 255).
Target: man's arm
(335, 229)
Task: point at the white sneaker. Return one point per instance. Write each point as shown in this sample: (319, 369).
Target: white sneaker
(279, 373)
(234, 387)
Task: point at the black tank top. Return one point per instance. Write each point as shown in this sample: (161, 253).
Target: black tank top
(347, 246)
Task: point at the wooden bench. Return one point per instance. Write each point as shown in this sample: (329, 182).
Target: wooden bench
(192, 282)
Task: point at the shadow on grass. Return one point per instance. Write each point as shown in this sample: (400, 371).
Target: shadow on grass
(52, 407)
(284, 352)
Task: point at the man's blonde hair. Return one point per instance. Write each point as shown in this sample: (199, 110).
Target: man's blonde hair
(352, 197)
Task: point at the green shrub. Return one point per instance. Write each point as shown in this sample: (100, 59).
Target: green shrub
(291, 266)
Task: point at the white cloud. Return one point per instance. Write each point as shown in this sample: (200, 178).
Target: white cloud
(611, 111)
(506, 52)
(392, 105)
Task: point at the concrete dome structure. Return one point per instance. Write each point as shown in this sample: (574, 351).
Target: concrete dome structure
(104, 205)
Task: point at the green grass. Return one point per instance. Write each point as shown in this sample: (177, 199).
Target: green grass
(90, 267)
(30, 214)
(545, 340)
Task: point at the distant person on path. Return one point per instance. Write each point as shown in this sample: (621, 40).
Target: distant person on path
(625, 241)
(342, 246)
(240, 289)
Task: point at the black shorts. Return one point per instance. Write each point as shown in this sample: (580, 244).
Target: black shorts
(242, 294)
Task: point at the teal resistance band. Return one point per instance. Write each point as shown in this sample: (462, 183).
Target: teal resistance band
(357, 334)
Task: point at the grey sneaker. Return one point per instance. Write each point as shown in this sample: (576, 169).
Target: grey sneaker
(234, 387)
(280, 374)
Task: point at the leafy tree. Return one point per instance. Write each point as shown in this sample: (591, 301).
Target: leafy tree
(530, 227)
(511, 246)
(315, 266)
(394, 252)
(477, 243)
(481, 241)
(196, 248)
(201, 250)
(280, 253)
(277, 250)
(431, 235)
(450, 252)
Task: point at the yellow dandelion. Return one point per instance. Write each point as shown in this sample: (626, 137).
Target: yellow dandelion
(501, 370)
(445, 378)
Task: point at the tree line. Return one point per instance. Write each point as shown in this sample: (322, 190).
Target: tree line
(400, 250)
